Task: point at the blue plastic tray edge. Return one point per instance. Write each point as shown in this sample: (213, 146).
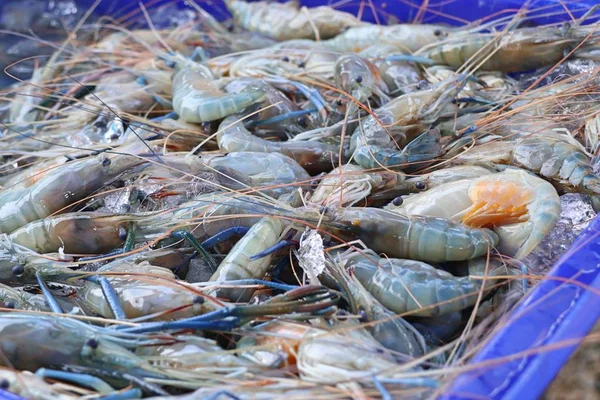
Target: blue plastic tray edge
(565, 282)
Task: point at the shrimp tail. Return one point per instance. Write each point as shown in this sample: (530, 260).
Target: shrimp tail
(422, 149)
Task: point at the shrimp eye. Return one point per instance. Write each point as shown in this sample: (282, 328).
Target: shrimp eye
(323, 210)
(302, 122)
(420, 185)
(106, 162)
(4, 384)
(122, 233)
(363, 316)
(397, 201)
(339, 102)
(18, 270)
(301, 64)
(93, 343)
(437, 32)
(358, 79)
(170, 64)
(285, 59)
(10, 304)
(198, 300)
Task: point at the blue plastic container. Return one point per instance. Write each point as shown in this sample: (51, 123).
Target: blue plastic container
(538, 336)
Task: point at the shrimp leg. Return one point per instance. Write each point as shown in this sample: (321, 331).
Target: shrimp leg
(224, 235)
(85, 380)
(191, 239)
(309, 299)
(52, 303)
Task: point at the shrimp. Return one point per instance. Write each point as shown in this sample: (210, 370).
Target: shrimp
(238, 264)
(288, 21)
(553, 156)
(59, 188)
(400, 77)
(142, 296)
(415, 155)
(20, 299)
(394, 333)
(197, 98)
(520, 207)
(27, 263)
(419, 183)
(30, 342)
(82, 233)
(350, 354)
(272, 173)
(195, 353)
(397, 122)
(519, 50)
(349, 184)
(273, 344)
(360, 78)
(416, 287)
(406, 37)
(314, 157)
(279, 106)
(427, 239)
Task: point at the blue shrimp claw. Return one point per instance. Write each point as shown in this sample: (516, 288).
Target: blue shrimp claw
(83, 380)
(469, 130)
(141, 81)
(110, 295)
(52, 303)
(162, 101)
(277, 246)
(170, 115)
(220, 325)
(105, 255)
(303, 299)
(191, 239)
(225, 235)
(112, 299)
(273, 285)
(313, 95)
(419, 382)
(385, 395)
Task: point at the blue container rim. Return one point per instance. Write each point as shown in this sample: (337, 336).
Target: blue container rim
(540, 333)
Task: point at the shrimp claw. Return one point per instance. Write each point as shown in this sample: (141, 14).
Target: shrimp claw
(278, 246)
(224, 235)
(52, 303)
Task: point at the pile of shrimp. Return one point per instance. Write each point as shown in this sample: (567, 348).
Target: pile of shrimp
(289, 202)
